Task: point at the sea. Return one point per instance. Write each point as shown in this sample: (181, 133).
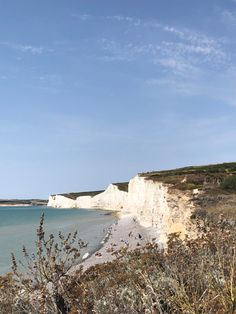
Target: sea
(18, 227)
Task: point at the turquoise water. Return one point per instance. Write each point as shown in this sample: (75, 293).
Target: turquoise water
(18, 227)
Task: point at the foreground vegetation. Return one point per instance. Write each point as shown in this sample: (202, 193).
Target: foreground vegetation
(194, 277)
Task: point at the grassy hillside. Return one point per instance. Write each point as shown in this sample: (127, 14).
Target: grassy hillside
(210, 176)
(216, 185)
(74, 195)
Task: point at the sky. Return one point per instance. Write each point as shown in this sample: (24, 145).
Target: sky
(93, 92)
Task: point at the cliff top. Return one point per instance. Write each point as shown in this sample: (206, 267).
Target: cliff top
(216, 183)
(229, 167)
(195, 177)
(74, 195)
(122, 186)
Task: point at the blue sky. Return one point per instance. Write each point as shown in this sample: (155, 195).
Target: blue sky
(93, 92)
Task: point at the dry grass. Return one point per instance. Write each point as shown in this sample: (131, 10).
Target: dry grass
(194, 277)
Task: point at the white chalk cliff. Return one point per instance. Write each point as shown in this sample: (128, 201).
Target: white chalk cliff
(157, 205)
(154, 203)
(60, 201)
(112, 199)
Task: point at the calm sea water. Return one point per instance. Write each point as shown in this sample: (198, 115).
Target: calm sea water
(18, 227)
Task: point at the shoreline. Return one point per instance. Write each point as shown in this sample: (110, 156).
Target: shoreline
(92, 228)
(126, 233)
(22, 205)
(18, 205)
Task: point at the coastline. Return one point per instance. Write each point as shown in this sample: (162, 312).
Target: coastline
(17, 205)
(18, 228)
(126, 233)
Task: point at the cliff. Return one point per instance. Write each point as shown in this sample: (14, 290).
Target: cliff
(60, 201)
(113, 198)
(167, 201)
(156, 205)
(72, 200)
(151, 202)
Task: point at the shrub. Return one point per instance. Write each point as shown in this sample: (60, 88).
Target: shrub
(198, 276)
(229, 183)
(40, 287)
(8, 291)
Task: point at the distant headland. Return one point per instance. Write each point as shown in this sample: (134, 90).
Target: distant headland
(24, 202)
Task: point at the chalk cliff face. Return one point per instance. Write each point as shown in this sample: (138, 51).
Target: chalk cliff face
(112, 199)
(60, 201)
(154, 203)
(84, 202)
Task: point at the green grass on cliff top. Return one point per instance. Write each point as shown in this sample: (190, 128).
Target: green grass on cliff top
(74, 195)
(210, 177)
(226, 168)
(122, 186)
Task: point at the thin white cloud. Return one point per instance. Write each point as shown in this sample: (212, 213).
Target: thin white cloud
(177, 66)
(28, 48)
(192, 36)
(195, 54)
(173, 55)
(187, 61)
(82, 17)
(52, 79)
(229, 17)
(115, 51)
(128, 19)
(185, 50)
(23, 48)
(195, 47)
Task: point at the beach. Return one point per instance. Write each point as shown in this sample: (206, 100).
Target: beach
(126, 233)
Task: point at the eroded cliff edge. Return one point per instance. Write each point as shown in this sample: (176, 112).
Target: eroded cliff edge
(167, 201)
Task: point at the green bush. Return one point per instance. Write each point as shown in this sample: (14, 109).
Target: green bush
(229, 183)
